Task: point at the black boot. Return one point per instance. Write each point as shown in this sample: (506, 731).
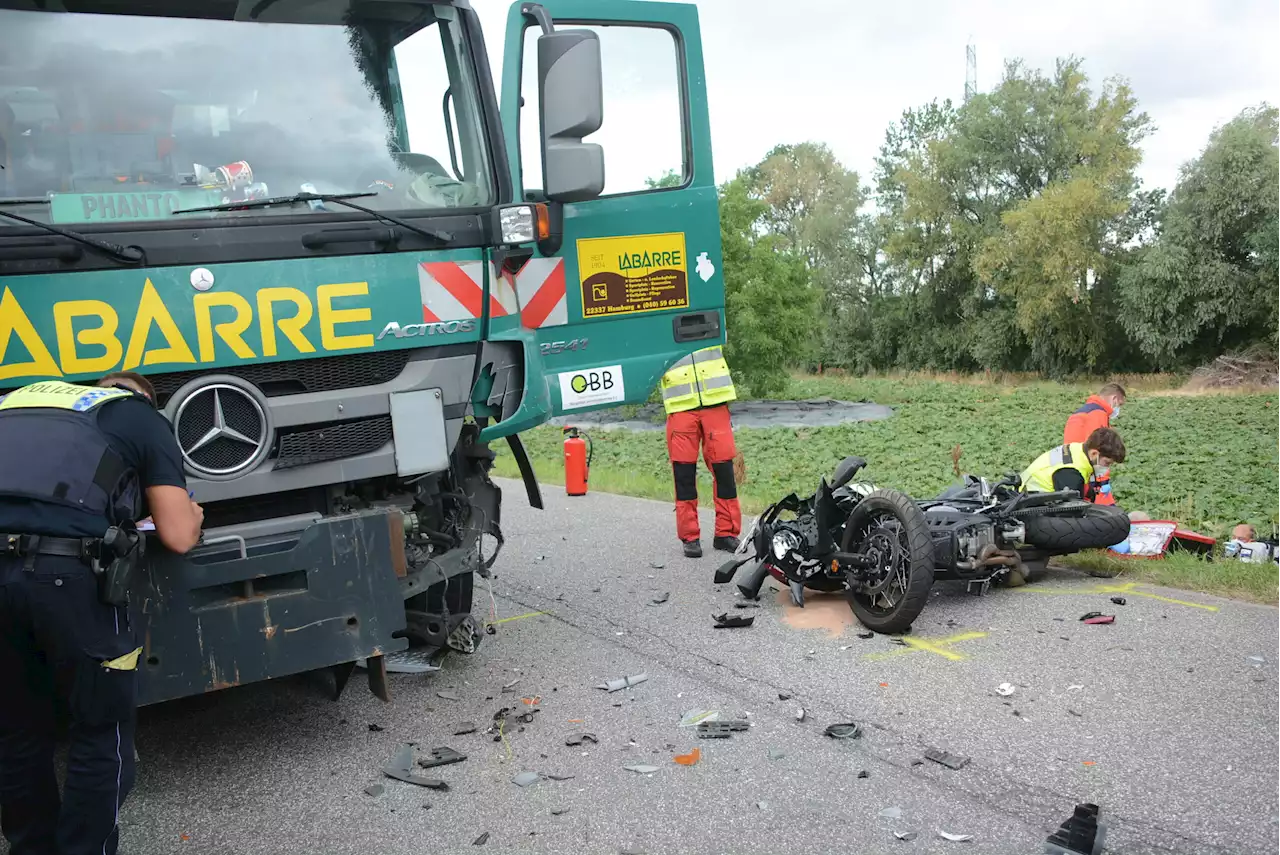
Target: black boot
(728, 543)
(692, 549)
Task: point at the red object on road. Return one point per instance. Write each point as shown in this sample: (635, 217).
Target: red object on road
(577, 461)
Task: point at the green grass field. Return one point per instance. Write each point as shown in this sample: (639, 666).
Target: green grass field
(1209, 461)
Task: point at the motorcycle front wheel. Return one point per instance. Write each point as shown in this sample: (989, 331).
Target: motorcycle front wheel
(1074, 526)
(889, 527)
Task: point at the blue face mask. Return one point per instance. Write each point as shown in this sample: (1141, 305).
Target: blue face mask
(1115, 414)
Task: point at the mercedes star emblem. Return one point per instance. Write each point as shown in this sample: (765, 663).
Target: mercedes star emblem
(220, 428)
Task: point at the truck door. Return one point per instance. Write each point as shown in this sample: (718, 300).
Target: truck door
(636, 282)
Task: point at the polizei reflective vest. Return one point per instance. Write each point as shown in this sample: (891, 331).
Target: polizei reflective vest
(51, 450)
(701, 379)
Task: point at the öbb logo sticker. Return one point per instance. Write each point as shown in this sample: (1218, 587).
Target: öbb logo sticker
(591, 386)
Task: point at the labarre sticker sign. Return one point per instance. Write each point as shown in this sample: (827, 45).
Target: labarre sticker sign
(591, 386)
(631, 274)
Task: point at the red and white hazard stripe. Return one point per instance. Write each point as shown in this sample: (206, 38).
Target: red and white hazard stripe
(454, 291)
(541, 289)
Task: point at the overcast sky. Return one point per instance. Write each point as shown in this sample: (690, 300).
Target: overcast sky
(839, 72)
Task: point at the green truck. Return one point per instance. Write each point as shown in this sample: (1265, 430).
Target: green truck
(349, 262)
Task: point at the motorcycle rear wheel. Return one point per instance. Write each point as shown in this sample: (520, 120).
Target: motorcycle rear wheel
(1074, 527)
(888, 519)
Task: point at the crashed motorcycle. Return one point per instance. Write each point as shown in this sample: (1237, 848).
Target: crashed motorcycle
(884, 549)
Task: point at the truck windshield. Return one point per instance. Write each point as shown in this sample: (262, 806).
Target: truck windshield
(123, 117)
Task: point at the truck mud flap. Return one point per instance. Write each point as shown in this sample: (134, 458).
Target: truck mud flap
(226, 614)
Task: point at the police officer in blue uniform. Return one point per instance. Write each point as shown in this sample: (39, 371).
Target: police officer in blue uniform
(79, 466)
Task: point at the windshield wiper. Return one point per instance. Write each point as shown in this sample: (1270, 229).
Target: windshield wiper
(336, 198)
(125, 254)
(24, 200)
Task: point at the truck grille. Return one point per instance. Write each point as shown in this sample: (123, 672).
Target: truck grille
(296, 377)
(333, 442)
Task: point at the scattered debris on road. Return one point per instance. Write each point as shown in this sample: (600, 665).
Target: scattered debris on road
(1081, 834)
(762, 805)
(375, 728)
(641, 768)
(1097, 618)
(661, 598)
(448, 695)
(525, 779)
(1256, 661)
(800, 714)
(559, 811)
(552, 776)
(481, 840)
(579, 738)
(400, 768)
(906, 836)
(894, 813)
(844, 730)
(693, 718)
(657, 565)
(863, 774)
(721, 729)
(747, 604)
(776, 754)
(946, 758)
(374, 790)
(509, 686)
(866, 635)
(1005, 689)
(464, 727)
(690, 759)
(1119, 601)
(728, 621)
(623, 683)
(783, 696)
(442, 756)
(955, 838)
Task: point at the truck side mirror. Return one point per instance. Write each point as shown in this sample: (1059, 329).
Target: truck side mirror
(571, 95)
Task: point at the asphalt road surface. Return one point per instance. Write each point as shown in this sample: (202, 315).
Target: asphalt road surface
(1161, 719)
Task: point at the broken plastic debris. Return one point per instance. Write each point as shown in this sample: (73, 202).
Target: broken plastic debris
(642, 768)
(622, 683)
(509, 686)
(374, 728)
(1081, 834)
(955, 838)
(559, 811)
(464, 727)
(946, 758)
(864, 774)
(783, 696)
(720, 729)
(481, 840)
(656, 565)
(554, 777)
(891, 813)
(1119, 601)
(1075, 688)
(661, 598)
(906, 835)
(442, 756)
(866, 635)
(1256, 661)
(1098, 619)
(746, 605)
(400, 768)
(693, 718)
(844, 730)
(374, 790)
(689, 759)
(728, 621)
(448, 695)
(800, 714)
(762, 805)
(1005, 689)
(524, 779)
(776, 754)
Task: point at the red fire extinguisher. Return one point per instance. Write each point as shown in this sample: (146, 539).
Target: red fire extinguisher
(577, 461)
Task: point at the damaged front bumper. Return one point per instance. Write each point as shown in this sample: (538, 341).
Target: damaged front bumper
(233, 612)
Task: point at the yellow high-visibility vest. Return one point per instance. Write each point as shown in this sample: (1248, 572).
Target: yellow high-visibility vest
(700, 379)
(1038, 477)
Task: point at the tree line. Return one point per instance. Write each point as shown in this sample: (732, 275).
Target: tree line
(1006, 233)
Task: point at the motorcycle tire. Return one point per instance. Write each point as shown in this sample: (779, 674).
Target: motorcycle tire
(919, 558)
(1074, 527)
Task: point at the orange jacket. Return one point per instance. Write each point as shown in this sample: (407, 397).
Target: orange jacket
(1096, 413)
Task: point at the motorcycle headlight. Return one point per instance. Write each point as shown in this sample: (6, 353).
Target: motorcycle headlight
(785, 542)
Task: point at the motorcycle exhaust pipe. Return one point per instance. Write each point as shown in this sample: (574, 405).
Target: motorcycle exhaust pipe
(750, 586)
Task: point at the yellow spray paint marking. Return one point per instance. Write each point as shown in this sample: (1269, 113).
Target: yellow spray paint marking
(516, 617)
(1129, 588)
(937, 646)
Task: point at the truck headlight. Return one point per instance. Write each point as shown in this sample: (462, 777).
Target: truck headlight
(524, 223)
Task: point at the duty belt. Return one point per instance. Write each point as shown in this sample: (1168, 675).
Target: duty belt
(31, 545)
